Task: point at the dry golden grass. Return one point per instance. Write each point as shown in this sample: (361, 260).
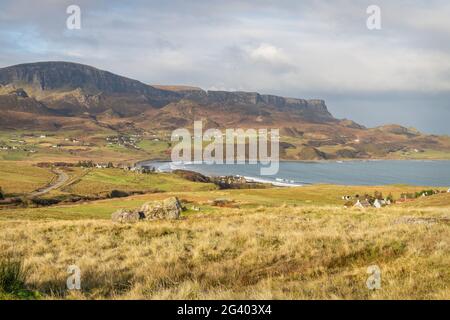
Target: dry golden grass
(22, 177)
(260, 253)
(281, 243)
(97, 181)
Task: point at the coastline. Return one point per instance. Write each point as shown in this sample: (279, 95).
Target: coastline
(368, 172)
(138, 162)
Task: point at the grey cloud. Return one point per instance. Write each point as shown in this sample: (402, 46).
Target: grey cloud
(296, 48)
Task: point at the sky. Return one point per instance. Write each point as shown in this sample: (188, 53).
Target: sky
(303, 49)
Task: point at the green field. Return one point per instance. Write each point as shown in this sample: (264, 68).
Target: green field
(100, 181)
(281, 252)
(21, 177)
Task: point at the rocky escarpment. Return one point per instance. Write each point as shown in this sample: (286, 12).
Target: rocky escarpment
(69, 76)
(70, 89)
(17, 100)
(312, 109)
(68, 96)
(48, 81)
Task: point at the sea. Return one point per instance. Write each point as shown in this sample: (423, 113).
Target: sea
(359, 172)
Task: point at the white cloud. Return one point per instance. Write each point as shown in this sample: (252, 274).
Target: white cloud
(268, 53)
(289, 47)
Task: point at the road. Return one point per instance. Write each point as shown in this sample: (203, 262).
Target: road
(62, 178)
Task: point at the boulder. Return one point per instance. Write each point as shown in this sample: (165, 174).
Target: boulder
(169, 208)
(127, 216)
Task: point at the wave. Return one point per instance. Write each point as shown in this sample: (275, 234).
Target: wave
(277, 183)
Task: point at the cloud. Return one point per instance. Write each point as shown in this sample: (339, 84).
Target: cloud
(267, 52)
(295, 48)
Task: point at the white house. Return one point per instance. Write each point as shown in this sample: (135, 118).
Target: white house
(362, 204)
(378, 203)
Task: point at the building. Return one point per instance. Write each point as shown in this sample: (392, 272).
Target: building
(362, 204)
(378, 203)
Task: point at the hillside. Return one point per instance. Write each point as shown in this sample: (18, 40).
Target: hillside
(51, 96)
(291, 243)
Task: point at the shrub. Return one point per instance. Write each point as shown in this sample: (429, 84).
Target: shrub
(378, 195)
(46, 201)
(12, 275)
(348, 204)
(86, 164)
(2, 195)
(118, 194)
(424, 192)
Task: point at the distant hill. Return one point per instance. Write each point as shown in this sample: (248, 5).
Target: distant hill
(67, 76)
(71, 89)
(56, 95)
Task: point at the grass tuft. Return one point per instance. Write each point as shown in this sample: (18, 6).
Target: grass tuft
(13, 277)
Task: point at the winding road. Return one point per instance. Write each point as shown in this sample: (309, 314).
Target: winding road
(62, 178)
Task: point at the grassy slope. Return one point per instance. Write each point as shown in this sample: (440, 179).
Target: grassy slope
(90, 146)
(105, 180)
(439, 200)
(317, 196)
(281, 243)
(94, 146)
(21, 177)
(284, 253)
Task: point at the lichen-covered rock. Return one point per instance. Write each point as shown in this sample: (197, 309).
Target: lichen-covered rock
(127, 216)
(169, 208)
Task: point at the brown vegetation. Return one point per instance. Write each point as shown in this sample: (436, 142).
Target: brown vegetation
(262, 253)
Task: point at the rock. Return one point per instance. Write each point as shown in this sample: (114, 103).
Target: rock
(127, 216)
(169, 208)
(20, 93)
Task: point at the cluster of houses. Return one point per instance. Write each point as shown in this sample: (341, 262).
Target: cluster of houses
(73, 140)
(15, 148)
(15, 144)
(368, 201)
(126, 141)
(378, 201)
(145, 169)
(231, 180)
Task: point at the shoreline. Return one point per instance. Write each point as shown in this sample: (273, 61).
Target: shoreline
(319, 161)
(304, 177)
